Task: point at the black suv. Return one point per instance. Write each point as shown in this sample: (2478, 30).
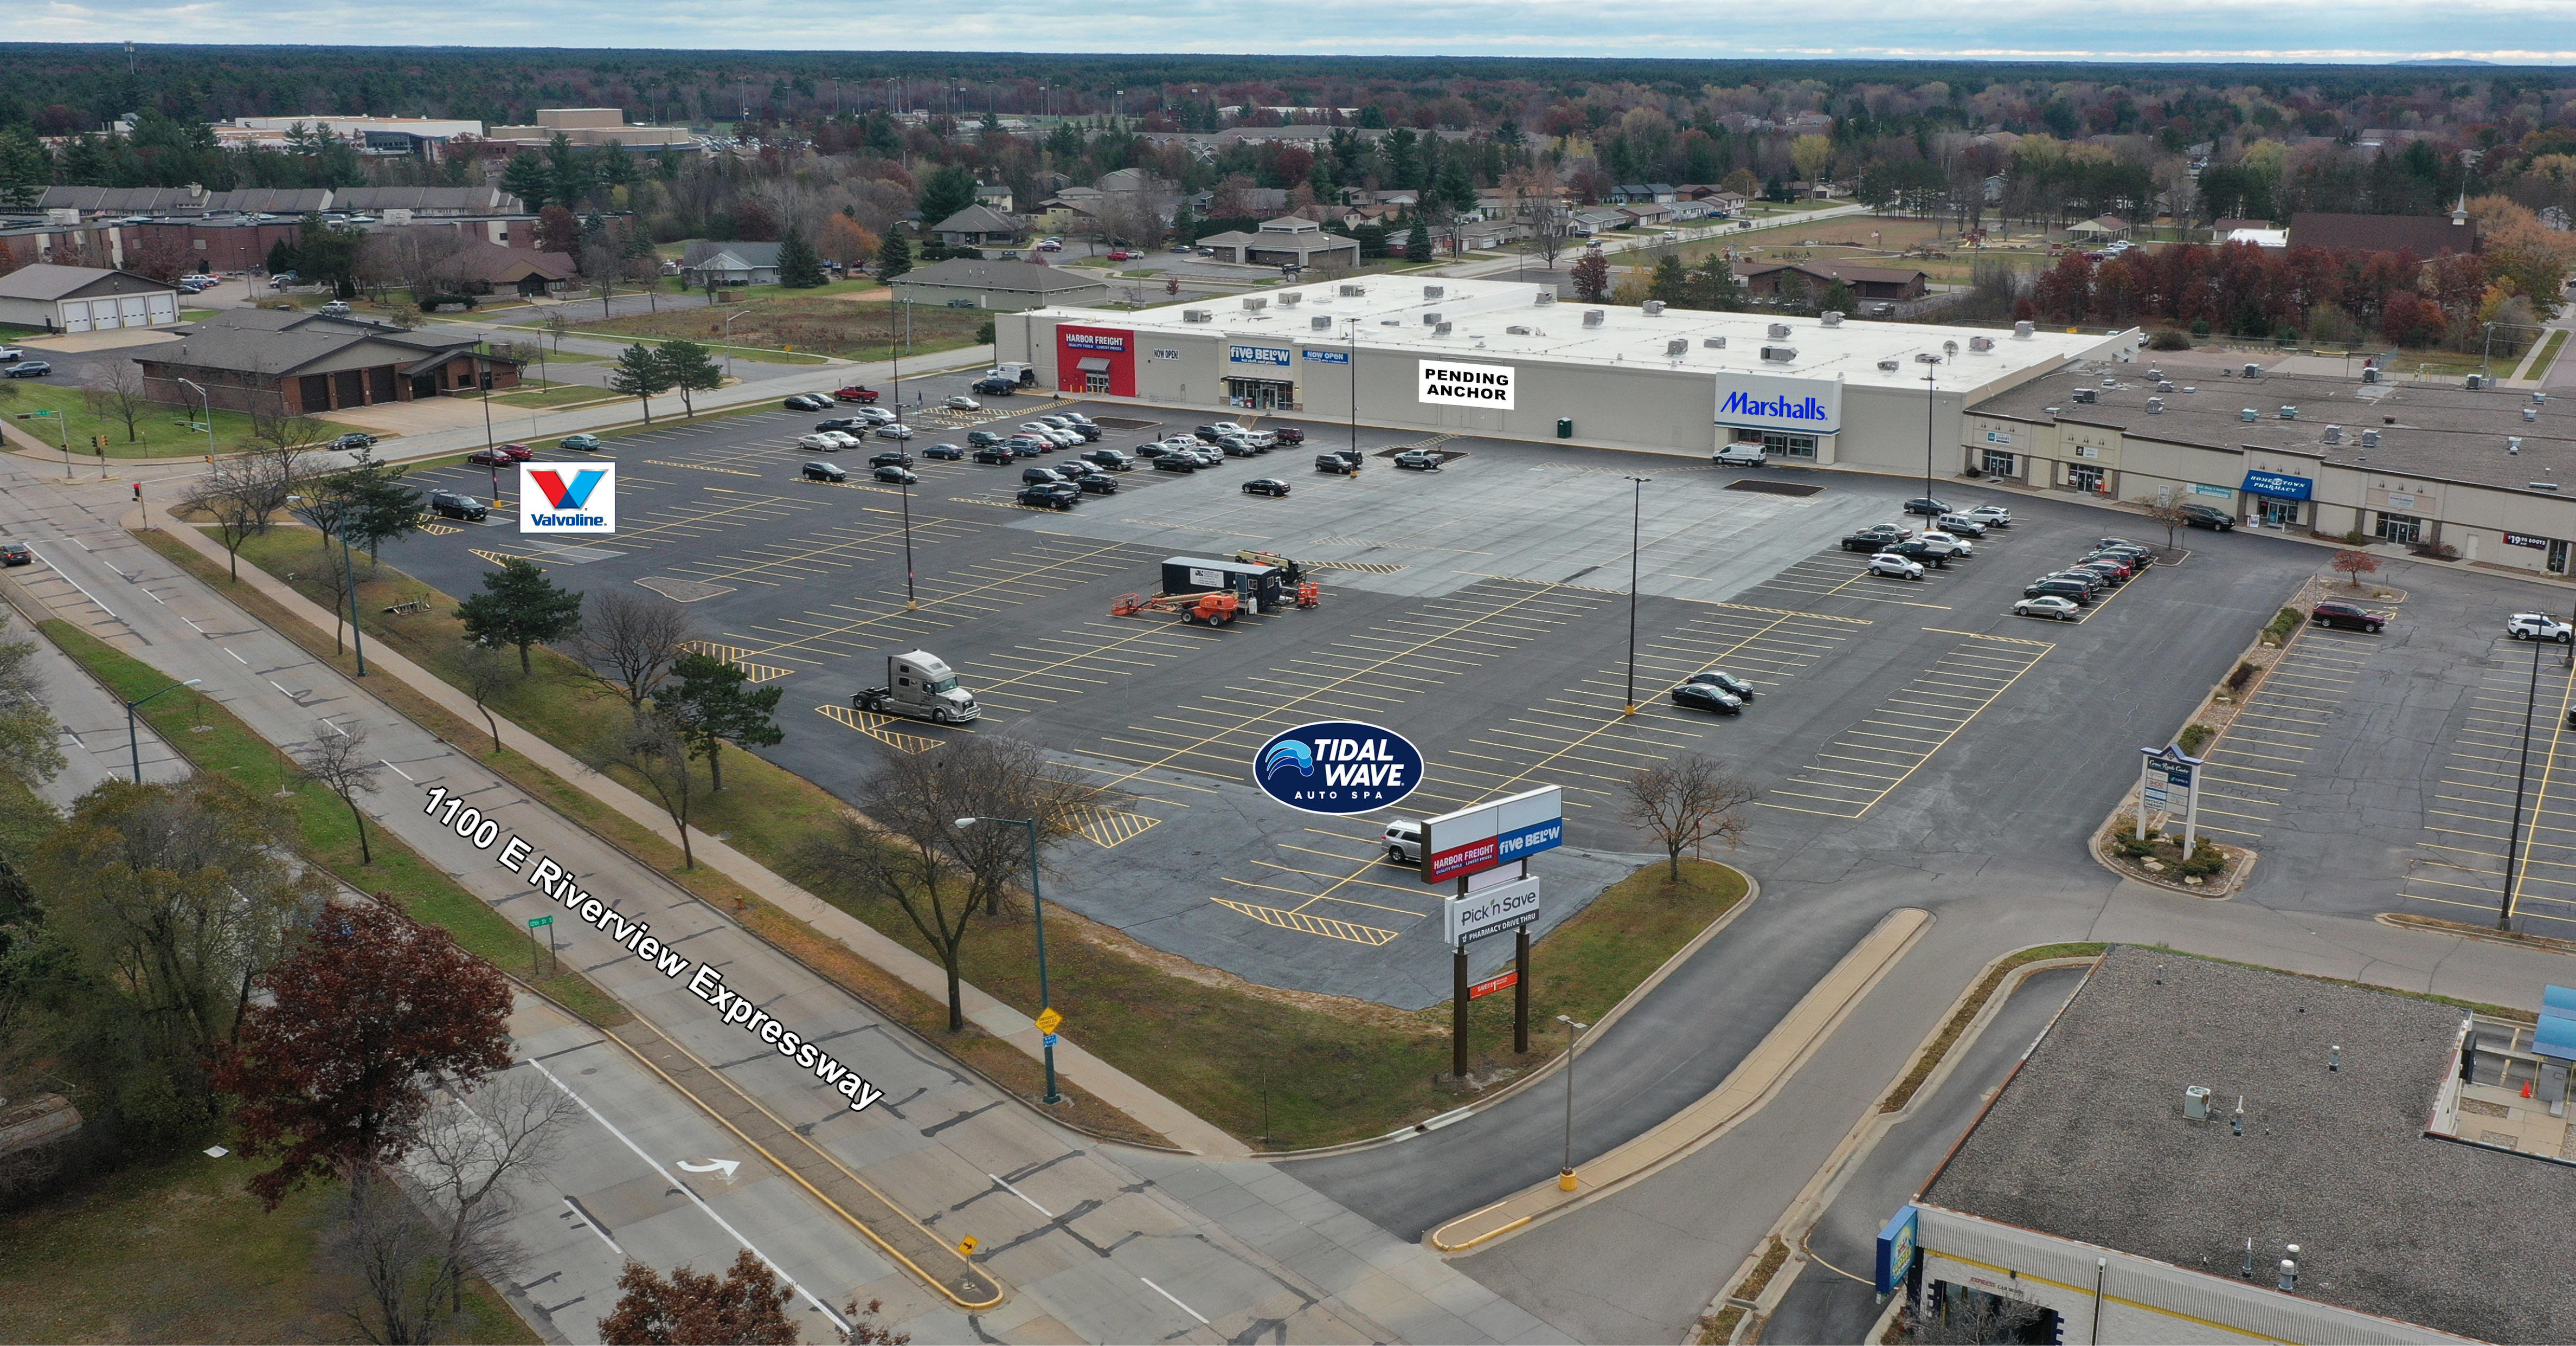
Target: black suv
(1876, 537)
(2345, 616)
(1174, 462)
(996, 387)
(1110, 460)
(2077, 590)
(995, 456)
(456, 505)
(1056, 495)
(1097, 483)
(982, 439)
(2208, 516)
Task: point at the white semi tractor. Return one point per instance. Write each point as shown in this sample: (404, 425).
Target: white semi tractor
(921, 686)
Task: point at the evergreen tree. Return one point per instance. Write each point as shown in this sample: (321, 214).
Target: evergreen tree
(1417, 245)
(526, 178)
(520, 606)
(799, 266)
(281, 257)
(1715, 287)
(945, 192)
(1184, 228)
(639, 374)
(894, 256)
(691, 369)
(932, 249)
(1837, 298)
(710, 702)
(26, 169)
(1670, 283)
(1372, 238)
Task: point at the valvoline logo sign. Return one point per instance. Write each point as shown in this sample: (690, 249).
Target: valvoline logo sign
(567, 498)
(1338, 766)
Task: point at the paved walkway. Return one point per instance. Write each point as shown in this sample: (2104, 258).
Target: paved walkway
(91, 718)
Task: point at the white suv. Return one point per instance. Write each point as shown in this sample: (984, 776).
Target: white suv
(1403, 838)
(2539, 626)
(1992, 516)
(1958, 546)
(872, 415)
(1966, 524)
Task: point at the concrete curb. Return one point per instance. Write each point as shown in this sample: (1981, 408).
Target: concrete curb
(1753, 1083)
(1799, 1218)
(1752, 890)
(1089, 1073)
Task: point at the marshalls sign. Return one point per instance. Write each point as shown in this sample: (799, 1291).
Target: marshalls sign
(1455, 385)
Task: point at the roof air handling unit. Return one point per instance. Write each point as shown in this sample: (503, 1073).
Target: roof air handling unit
(2289, 413)
(1652, 308)
(1433, 291)
(1713, 343)
(1254, 303)
(1890, 365)
(1516, 331)
(1197, 315)
(2253, 371)
(1440, 330)
(1833, 319)
(2531, 413)
(1291, 299)
(1780, 355)
(2249, 414)
(1431, 320)
(2334, 434)
(2476, 382)
(2022, 330)
(1677, 346)
(1352, 291)
(1779, 331)
(2088, 396)
(1592, 317)
(1981, 343)
(1547, 296)
(1320, 322)
(2370, 439)
(2155, 406)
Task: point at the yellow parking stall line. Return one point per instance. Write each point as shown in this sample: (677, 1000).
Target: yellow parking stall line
(2444, 883)
(2243, 799)
(2249, 817)
(1370, 862)
(875, 727)
(2294, 761)
(2233, 832)
(1312, 925)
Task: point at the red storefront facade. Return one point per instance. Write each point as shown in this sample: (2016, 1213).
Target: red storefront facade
(1095, 360)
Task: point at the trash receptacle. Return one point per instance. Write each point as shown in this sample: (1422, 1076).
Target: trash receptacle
(1565, 427)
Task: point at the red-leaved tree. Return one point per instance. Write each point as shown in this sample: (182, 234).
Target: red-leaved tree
(744, 1307)
(370, 1007)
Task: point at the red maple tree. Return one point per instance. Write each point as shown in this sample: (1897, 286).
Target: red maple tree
(368, 1008)
(746, 1306)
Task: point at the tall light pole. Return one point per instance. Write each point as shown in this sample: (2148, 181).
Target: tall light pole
(1037, 904)
(1927, 432)
(133, 743)
(1573, 1036)
(1636, 536)
(1353, 356)
(2522, 774)
(209, 404)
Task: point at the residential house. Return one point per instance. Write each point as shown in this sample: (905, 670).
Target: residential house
(302, 364)
(1009, 287)
(1286, 241)
(1881, 283)
(977, 227)
(482, 268)
(994, 194)
(708, 262)
(85, 299)
(1647, 212)
(1642, 193)
(1598, 219)
(2099, 229)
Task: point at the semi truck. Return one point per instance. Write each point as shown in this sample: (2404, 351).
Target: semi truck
(920, 686)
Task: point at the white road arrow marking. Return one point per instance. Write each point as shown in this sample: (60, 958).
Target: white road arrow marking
(724, 1166)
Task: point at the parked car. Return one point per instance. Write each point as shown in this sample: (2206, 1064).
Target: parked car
(447, 505)
(580, 443)
(1040, 476)
(981, 438)
(854, 393)
(1176, 462)
(894, 430)
(2074, 591)
(946, 452)
(1403, 841)
(842, 423)
(1959, 546)
(1026, 446)
(831, 472)
(1288, 434)
(1236, 446)
(896, 476)
(490, 458)
(823, 441)
(353, 441)
(891, 457)
(2207, 516)
(1992, 516)
(1097, 483)
(11, 354)
(995, 456)
(1059, 496)
(1876, 537)
(1895, 567)
(1708, 697)
(2126, 565)
(1050, 245)
(2343, 616)
(2539, 626)
(2048, 605)
(1962, 525)
(17, 554)
(1926, 505)
(335, 309)
(519, 452)
(2094, 585)
(1110, 460)
(1122, 255)
(1916, 549)
(1334, 464)
(873, 415)
(1738, 455)
(1725, 682)
(994, 387)
(805, 402)
(1270, 486)
(961, 402)
(1418, 460)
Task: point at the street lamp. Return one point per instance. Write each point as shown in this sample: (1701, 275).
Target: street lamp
(1353, 357)
(1573, 1036)
(1636, 534)
(1927, 434)
(133, 743)
(1037, 904)
(2521, 775)
(209, 404)
(725, 335)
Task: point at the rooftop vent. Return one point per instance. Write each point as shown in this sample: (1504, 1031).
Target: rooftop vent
(2513, 444)
(2110, 382)
(1713, 343)
(2531, 413)
(1833, 319)
(2289, 413)
(1779, 330)
(1390, 322)
(1431, 320)
(2155, 373)
(1780, 355)
(2188, 388)
(2541, 485)
(1196, 315)
(2334, 434)
(2370, 439)
(1889, 365)
(1291, 299)
(2195, 1102)
(2540, 399)
(1981, 343)
(2388, 420)
(2088, 396)
(2155, 406)
(2476, 382)
(2249, 414)
(2022, 330)
(1677, 346)
(1516, 331)
(1351, 291)
(1547, 296)
(1926, 358)
(1652, 308)
(1320, 322)
(1254, 303)
(1433, 291)
(1592, 317)
(2164, 385)
(1440, 329)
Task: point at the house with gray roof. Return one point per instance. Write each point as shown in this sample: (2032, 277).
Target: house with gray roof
(1290, 240)
(709, 262)
(1009, 287)
(977, 227)
(304, 364)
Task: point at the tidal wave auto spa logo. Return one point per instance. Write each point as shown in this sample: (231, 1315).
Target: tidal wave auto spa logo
(567, 499)
(1338, 766)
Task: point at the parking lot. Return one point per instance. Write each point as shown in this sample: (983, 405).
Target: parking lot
(1482, 610)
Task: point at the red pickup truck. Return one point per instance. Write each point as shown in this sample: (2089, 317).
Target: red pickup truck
(854, 393)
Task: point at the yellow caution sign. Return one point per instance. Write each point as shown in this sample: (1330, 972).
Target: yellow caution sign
(966, 1246)
(1049, 1021)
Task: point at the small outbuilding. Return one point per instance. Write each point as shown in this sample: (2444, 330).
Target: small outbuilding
(1010, 287)
(75, 299)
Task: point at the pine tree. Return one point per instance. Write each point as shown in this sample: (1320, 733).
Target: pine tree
(1714, 286)
(691, 369)
(281, 257)
(639, 374)
(521, 606)
(1669, 282)
(799, 266)
(946, 192)
(1184, 229)
(711, 701)
(894, 256)
(1417, 245)
(526, 178)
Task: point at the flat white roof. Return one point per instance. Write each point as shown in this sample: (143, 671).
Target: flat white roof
(1494, 318)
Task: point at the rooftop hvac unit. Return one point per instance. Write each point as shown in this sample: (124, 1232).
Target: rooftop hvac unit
(1351, 291)
(1433, 291)
(2334, 434)
(2253, 371)
(1547, 296)
(2249, 414)
(2531, 413)
(1516, 331)
(1926, 358)
(2289, 413)
(2188, 388)
(1780, 355)
(1441, 329)
(1833, 319)
(1779, 330)
(2195, 1103)
(2370, 439)
(1321, 322)
(2088, 396)
(1196, 315)
(2370, 375)
(1390, 322)
(2164, 385)
(1652, 308)
(2542, 485)
(2156, 374)
(1254, 303)
(1981, 343)
(2513, 444)
(2109, 382)
(1592, 317)
(1677, 346)
(1890, 365)
(1431, 320)
(2540, 399)
(1291, 299)
(2022, 330)
(2155, 406)
(2476, 382)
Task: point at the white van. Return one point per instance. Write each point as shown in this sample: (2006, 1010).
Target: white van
(1738, 454)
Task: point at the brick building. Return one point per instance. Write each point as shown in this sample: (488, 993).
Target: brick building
(306, 363)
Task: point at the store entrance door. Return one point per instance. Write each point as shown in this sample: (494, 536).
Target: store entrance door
(2279, 513)
(1260, 394)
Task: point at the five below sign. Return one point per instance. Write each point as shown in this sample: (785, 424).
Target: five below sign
(1492, 834)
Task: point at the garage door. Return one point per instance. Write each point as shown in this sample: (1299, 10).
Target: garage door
(165, 309)
(134, 310)
(75, 315)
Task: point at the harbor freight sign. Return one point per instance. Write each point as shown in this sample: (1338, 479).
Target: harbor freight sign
(567, 498)
(1338, 766)
(1505, 906)
(1492, 834)
(1809, 406)
(1455, 385)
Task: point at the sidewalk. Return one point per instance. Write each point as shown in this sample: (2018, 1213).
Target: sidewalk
(1084, 1070)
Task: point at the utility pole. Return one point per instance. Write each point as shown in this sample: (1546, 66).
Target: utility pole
(1636, 534)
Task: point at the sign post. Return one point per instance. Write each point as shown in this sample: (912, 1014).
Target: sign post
(536, 923)
(2160, 772)
(1483, 840)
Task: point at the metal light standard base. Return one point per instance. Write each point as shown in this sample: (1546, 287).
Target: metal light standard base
(133, 741)
(1566, 1180)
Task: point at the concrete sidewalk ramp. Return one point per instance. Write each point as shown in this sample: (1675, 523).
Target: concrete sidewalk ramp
(1741, 1094)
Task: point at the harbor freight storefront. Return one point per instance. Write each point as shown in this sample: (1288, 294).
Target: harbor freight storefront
(2277, 500)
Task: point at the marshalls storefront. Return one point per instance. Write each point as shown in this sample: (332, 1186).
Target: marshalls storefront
(1509, 360)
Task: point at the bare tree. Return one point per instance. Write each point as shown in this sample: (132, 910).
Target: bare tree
(899, 853)
(628, 642)
(278, 430)
(244, 494)
(116, 391)
(1540, 203)
(2169, 513)
(867, 1328)
(652, 746)
(468, 1154)
(28, 731)
(484, 674)
(1973, 1319)
(337, 760)
(1685, 802)
(1012, 778)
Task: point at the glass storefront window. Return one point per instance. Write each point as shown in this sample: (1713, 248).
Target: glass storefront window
(2000, 464)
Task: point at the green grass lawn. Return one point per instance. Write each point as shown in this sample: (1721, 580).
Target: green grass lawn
(178, 1252)
(553, 395)
(2551, 347)
(1323, 1071)
(161, 431)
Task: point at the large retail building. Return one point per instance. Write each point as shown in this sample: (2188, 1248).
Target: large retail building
(1511, 360)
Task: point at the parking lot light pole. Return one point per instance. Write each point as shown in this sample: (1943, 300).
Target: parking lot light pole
(1636, 534)
(1928, 400)
(209, 404)
(2521, 775)
(1565, 1181)
(1353, 355)
(133, 743)
(1037, 905)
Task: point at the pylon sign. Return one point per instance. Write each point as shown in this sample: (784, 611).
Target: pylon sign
(2163, 773)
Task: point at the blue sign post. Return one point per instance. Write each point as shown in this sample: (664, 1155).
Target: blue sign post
(1896, 1251)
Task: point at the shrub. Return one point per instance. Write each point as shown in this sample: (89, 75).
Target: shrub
(2282, 624)
(2245, 671)
(2204, 860)
(2168, 340)
(2200, 328)
(2129, 846)
(2195, 737)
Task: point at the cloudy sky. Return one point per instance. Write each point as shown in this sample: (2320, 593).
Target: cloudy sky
(2502, 31)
